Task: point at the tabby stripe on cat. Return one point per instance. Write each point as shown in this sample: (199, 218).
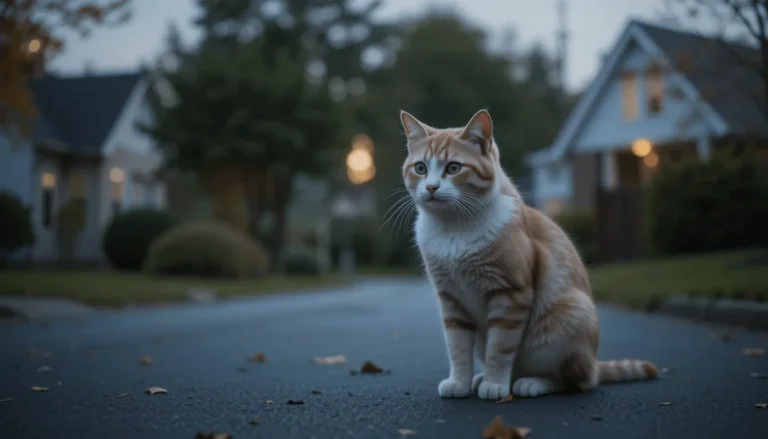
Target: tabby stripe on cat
(455, 316)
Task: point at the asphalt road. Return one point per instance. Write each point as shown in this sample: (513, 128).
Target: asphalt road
(200, 356)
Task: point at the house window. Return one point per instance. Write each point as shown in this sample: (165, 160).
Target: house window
(48, 184)
(629, 96)
(117, 177)
(655, 90)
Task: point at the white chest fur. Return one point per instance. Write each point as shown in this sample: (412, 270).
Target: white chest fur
(451, 241)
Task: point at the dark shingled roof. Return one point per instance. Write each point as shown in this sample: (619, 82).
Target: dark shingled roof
(81, 111)
(726, 75)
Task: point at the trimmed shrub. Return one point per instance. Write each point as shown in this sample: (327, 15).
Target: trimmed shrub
(206, 249)
(580, 226)
(698, 206)
(15, 225)
(128, 236)
(299, 261)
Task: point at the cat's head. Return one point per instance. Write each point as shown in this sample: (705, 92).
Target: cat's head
(451, 168)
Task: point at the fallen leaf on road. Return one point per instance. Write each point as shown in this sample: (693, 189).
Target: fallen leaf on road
(369, 367)
(146, 360)
(762, 405)
(44, 369)
(665, 403)
(497, 430)
(505, 399)
(36, 354)
(155, 390)
(122, 395)
(753, 352)
(269, 401)
(406, 432)
(258, 357)
(317, 392)
(758, 376)
(5, 399)
(292, 402)
(439, 421)
(332, 359)
(39, 388)
(256, 421)
(213, 436)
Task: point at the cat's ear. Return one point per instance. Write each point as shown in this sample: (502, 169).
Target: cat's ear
(414, 129)
(479, 130)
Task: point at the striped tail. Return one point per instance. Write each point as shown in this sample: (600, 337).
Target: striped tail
(615, 371)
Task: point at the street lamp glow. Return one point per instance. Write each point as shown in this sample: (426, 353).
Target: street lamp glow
(641, 147)
(651, 160)
(34, 46)
(116, 175)
(359, 160)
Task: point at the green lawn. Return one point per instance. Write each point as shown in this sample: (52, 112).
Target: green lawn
(115, 289)
(644, 283)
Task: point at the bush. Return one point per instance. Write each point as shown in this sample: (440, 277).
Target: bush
(580, 226)
(299, 261)
(206, 249)
(15, 225)
(128, 236)
(706, 206)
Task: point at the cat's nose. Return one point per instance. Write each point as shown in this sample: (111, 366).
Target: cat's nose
(432, 188)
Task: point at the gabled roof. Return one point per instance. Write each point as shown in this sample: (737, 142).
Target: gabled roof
(80, 112)
(711, 71)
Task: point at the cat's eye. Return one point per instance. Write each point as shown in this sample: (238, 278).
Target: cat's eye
(453, 168)
(420, 168)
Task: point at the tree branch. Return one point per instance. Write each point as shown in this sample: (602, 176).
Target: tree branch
(738, 12)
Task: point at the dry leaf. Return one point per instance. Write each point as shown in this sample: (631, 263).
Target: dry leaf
(146, 360)
(44, 369)
(505, 399)
(497, 430)
(317, 392)
(369, 367)
(406, 432)
(258, 358)
(665, 403)
(758, 376)
(5, 399)
(439, 421)
(762, 405)
(297, 402)
(269, 401)
(256, 421)
(154, 390)
(332, 359)
(213, 435)
(40, 388)
(753, 352)
(122, 395)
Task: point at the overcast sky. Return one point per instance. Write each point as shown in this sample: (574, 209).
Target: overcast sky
(594, 25)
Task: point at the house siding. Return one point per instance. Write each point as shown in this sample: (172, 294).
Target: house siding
(607, 129)
(552, 182)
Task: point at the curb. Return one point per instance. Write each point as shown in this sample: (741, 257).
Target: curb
(745, 313)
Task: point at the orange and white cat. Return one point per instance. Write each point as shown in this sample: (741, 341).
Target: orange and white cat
(512, 288)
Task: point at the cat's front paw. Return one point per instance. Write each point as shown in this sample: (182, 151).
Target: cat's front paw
(490, 390)
(450, 388)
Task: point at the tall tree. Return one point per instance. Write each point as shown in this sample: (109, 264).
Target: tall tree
(30, 32)
(739, 20)
(246, 113)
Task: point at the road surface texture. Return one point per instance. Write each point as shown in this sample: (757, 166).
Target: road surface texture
(200, 352)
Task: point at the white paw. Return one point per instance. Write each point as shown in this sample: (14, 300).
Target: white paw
(532, 387)
(450, 388)
(476, 380)
(491, 390)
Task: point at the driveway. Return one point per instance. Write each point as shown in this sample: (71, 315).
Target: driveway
(199, 354)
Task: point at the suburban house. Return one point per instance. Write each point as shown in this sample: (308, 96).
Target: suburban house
(661, 94)
(85, 149)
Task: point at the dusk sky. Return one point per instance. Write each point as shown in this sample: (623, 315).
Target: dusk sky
(594, 24)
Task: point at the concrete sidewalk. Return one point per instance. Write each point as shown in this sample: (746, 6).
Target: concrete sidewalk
(36, 308)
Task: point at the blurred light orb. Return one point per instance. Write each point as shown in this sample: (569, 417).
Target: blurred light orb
(362, 141)
(359, 160)
(116, 175)
(360, 177)
(641, 147)
(34, 46)
(651, 160)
